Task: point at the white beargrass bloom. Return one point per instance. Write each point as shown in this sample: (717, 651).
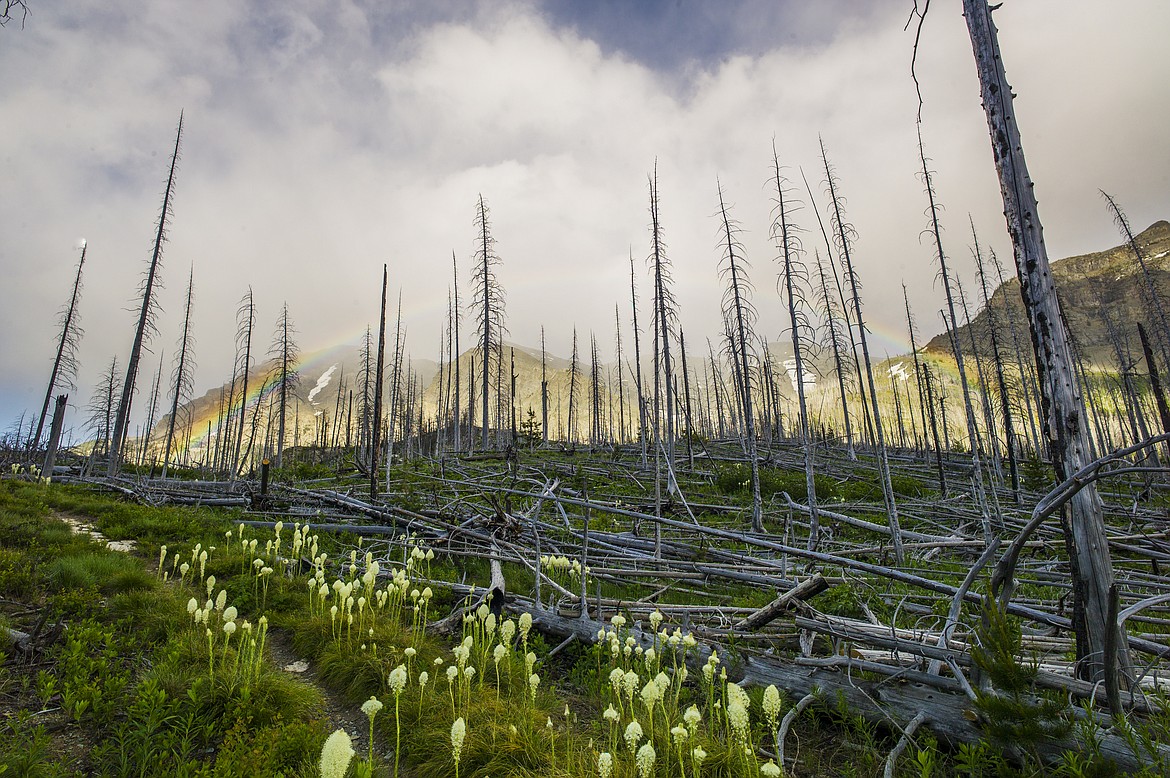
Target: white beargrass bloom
(770, 770)
(423, 678)
(680, 734)
(397, 679)
(611, 715)
(210, 584)
(618, 621)
(192, 605)
(645, 760)
(698, 754)
(230, 613)
(409, 652)
(692, 718)
(736, 694)
(533, 684)
(632, 735)
(651, 694)
(452, 673)
(737, 716)
(525, 625)
(336, 755)
(458, 734)
(655, 619)
(604, 764)
(771, 705)
(221, 600)
(499, 652)
(229, 628)
(371, 707)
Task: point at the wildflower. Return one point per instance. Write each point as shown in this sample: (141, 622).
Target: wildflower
(651, 694)
(771, 705)
(645, 760)
(221, 600)
(604, 764)
(458, 733)
(409, 652)
(423, 678)
(611, 715)
(397, 679)
(438, 661)
(498, 653)
(698, 754)
(680, 734)
(533, 685)
(633, 735)
(452, 673)
(736, 694)
(692, 718)
(618, 621)
(469, 673)
(688, 640)
(655, 619)
(192, 605)
(336, 755)
(229, 628)
(737, 716)
(371, 707)
(230, 613)
(770, 770)
(525, 625)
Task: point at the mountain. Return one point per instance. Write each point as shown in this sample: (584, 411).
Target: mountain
(1095, 290)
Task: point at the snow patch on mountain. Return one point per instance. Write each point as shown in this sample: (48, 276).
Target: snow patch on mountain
(322, 382)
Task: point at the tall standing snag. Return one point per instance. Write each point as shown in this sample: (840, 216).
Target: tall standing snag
(488, 301)
(65, 363)
(1083, 522)
(181, 383)
(145, 326)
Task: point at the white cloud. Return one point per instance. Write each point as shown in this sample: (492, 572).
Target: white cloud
(324, 139)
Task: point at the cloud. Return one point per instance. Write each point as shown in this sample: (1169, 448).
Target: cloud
(324, 139)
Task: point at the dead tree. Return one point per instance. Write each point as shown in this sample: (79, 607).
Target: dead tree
(741, 315)
(146, 316)
(845, 235)
(376, 420)
(1005, 404)
(1084, 524)
(285, 378)
(151, 412)
(795, 280)
(621, 392)
(665, 312)
(952, 323)
(64, 373)
(543, 390)
(458, 314)
(246, 319)
(101, 409)
(574, 381)
(638, 364)
(1150, 288)
(488, 301)
(181, 383)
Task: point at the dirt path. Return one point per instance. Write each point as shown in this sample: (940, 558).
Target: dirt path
(338, 711)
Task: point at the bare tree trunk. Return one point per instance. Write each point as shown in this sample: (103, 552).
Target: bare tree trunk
(843, 232)
(455, 320)
(638, 364)
(65, 362)
(145, 318)
(1088, 547)
(543, 390)
(376, 426)
(181, 380)
(248, 312)
(795, 277)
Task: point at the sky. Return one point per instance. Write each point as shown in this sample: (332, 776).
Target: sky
(325, 138)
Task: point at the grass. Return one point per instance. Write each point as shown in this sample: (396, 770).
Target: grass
(135, 679)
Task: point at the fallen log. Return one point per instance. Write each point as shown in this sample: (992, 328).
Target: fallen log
(802, 591)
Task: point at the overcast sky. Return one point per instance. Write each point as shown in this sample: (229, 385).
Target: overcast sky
(325, 138)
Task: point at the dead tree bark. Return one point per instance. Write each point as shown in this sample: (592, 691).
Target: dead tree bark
(145, 326)
(795, 278)
(844, 234)
(638, 364)
(489, 300)
(286, 377)
(1084, 525)
(738, 309)
(181, 378)
(376, 427)
(65, 362)
(455, 356)
(54, 435)
(247, 318)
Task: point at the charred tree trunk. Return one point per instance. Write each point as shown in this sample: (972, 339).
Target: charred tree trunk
(1088, 547)
(376, 425)
(65, 362)
(145, 317)
(181, 380)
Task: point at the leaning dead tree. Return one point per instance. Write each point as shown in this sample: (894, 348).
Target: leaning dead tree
(181, 378)
(1094, 589)
(246, 322)
(145, 328)
(488, 303)
(64, 371)
(376, 421)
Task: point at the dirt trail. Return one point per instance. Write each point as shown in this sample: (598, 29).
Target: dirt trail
(338, 711)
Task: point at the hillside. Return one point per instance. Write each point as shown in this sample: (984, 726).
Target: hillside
(1097, 288)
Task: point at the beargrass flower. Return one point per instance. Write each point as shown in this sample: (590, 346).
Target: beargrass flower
(397, 679)
(458, 734)
(371, 707)
(230, 613)
(770, 770)
(692, 717)
(192, 605)
(336, 755)
(611, 715)
(604, 764)
(525, 625)
(737, 717)
(632, 735)
(645, 760)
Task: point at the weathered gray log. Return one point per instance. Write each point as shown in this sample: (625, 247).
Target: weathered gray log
(807, 588)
